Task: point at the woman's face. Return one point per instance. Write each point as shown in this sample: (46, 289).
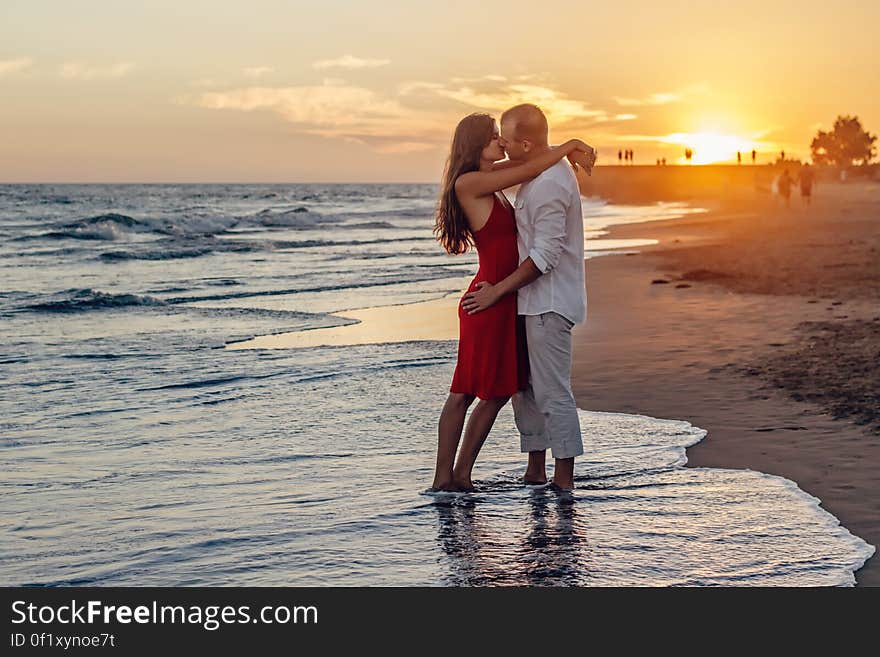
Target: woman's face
(493, 150)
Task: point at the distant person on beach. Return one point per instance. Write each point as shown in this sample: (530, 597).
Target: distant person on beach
(620, 157)
(739, 158)
(493, 362)
(551, 298)
(805, 178)
(784, 187)
(754, 155)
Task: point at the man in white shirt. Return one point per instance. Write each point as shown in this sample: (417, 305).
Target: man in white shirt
(551, 296)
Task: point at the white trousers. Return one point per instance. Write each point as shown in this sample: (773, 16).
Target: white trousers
(545, 413)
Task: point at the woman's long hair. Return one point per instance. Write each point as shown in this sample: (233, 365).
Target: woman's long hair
(472, 135)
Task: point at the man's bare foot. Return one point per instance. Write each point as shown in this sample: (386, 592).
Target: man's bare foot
(534, 477)
(561, 486)
(564, 496)
(563, 474)
(536, 469)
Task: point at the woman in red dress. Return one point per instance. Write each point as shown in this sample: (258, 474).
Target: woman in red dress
(492, 358)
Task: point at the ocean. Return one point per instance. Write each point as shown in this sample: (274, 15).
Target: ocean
(137, 450)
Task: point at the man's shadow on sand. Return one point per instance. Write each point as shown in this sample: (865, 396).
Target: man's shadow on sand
(488, 546)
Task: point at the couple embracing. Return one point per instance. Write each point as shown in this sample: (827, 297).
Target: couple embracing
(516, 318)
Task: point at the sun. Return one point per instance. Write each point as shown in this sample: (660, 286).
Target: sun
(711, 147)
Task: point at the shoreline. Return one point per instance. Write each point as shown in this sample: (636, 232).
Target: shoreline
(436, 319)
(703, 347)
(700, 346)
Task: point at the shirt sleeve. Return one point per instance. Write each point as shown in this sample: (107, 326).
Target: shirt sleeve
(549, 211)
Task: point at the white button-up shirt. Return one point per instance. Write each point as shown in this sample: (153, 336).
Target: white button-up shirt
(550, 230)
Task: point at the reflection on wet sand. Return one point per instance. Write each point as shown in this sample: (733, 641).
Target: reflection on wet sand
(486, 549)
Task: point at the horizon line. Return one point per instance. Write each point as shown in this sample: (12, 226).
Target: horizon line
(354, 182)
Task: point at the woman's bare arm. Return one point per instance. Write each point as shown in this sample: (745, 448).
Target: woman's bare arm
(504, 164)
(483, 183)
(577, 158)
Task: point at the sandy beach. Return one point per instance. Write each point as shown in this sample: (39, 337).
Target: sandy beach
(759, 323)
(425, 320)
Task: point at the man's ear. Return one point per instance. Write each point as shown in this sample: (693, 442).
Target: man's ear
(527, 145)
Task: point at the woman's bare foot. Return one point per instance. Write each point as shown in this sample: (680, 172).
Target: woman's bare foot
(445, 486)
(461, 477)
(464, 485)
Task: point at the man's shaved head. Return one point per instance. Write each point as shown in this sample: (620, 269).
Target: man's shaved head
(527, 121)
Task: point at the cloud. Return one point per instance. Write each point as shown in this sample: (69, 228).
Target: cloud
(393, 145)
(408, 88)
(663, 98)
(685, 138)
(495, 98)
(257, 71)
(491, 78)
(405, 147)
(653, 99)
(8, 66)
(350, 61)
(82, 71)
(417, 116)
(336, 110)
(207, 82)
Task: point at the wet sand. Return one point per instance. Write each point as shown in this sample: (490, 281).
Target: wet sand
(756, 322)
(766, 333)
(425, 320)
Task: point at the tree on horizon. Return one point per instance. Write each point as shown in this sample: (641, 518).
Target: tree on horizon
(848, 142)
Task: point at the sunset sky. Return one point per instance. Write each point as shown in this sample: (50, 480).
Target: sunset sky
(285, 91)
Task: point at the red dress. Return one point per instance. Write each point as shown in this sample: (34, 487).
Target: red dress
(492, 352)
